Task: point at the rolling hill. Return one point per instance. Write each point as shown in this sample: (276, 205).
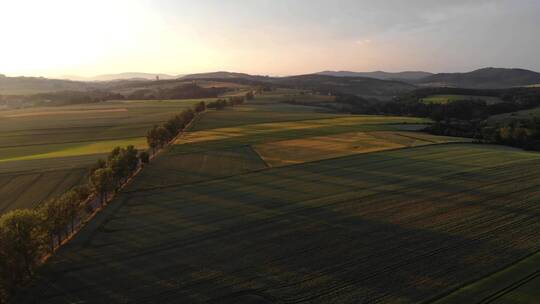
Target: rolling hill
(225, 75)
(361, 86)
(34, 85)
(403, 76)
(487, 78)
(122, 76)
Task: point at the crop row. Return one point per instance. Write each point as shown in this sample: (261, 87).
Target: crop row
(392, 226)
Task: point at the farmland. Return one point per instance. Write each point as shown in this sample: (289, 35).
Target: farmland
(45, 151)
(296, 151)
(213, 220)
(443, 99)
(393, 226)
(518, 283)
(220, 131)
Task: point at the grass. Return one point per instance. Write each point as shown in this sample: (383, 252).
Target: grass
(398, 226)
(443, 99)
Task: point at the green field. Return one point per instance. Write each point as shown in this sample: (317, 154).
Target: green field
(250, 114)
(210, 221)
(397, 226)
(24, 190)
(443, 99)
(519, 284)
(175, 169)
(220, 131)
(46, 150)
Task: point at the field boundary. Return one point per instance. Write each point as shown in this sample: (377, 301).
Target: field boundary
(71, 142)
(440, 299)
(291, 165)
(109, 198)
(337, 116)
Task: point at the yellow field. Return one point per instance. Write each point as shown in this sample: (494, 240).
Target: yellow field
(294, 151)
(82, 148)
(254, 129)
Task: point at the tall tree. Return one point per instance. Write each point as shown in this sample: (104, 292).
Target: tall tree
(102, 182)
(22, 243)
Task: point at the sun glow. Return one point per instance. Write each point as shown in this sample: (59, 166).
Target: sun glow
(62, 35)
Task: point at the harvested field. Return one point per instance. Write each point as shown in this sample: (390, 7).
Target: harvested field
(400, 226)
(219, 138)
(294, 151)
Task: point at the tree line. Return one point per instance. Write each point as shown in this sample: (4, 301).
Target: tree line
(463, 118)
(148, 92)
(221, 104)
(28, 235)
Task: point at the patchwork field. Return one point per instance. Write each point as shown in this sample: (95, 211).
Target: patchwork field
(214, 133)
(401, 226)
(261, 206)
(45, 151)
(294, 151)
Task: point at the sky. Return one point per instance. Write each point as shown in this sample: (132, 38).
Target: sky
(55, 38)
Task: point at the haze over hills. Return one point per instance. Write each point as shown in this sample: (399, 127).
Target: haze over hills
(224, 75)
(372, 84)
(33, 85)
(364, 86)
(406, 75)
(486, 78)
(122, 76)
(361, 86)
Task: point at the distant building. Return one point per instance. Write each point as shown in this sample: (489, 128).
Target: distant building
(157, 77)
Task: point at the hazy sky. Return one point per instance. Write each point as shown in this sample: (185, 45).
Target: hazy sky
(276, 37)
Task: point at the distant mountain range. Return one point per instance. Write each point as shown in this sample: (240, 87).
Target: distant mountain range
(366, 84)
(362, 86)
(404, 76)
(225, 75)
(487, 78)
(34, 85)
(123, 76)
